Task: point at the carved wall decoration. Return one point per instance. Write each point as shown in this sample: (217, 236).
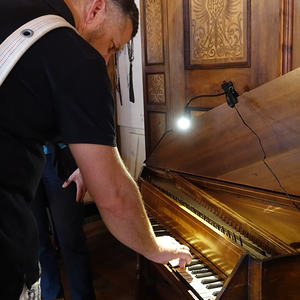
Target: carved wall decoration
(217, 33)
(154, 32)
(156, 88)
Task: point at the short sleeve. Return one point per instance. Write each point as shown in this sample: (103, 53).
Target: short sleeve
(84, 104)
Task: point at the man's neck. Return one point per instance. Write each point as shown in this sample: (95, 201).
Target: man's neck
(74, 11)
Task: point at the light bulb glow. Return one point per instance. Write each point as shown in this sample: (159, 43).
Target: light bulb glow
(184, 123)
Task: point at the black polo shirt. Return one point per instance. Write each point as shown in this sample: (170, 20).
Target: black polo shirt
(58, 91)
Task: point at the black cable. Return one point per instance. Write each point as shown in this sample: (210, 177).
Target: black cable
(230, 91)
(265, 162)
(202, 96)
(118, 82)
(130, 48)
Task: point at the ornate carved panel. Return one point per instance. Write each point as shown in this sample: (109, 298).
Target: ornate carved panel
(156, 88)
(217, 33)
(157, 122)
(154, 32)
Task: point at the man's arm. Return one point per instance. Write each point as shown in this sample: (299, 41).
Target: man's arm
(120, 204)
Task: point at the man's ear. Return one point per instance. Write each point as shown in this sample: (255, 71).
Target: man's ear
(95, 9)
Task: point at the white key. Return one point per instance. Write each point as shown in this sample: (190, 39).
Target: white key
(174, 262)
(201, 288)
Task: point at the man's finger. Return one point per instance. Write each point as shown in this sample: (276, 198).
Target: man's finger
(66, 183)
(184, 261)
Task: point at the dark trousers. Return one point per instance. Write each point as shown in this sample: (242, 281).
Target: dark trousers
(67, 219)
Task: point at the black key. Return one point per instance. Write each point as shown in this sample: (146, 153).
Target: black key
(215, 293)
(211, 280)
(215, 285)
(200, 266)
(203, 275)
(196, 267)
(200, 271)
(157, 227)
(194, 261)
(152, 221)
(161, 232)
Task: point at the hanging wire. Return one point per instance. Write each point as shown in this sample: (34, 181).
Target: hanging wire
(265, 160)
(117, 74)
(130, 48)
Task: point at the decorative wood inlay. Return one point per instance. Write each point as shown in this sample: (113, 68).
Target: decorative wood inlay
(218, 31)
(156, 88)
(154, 32)
(157, 127)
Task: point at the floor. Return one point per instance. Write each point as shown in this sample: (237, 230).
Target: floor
(113, 265)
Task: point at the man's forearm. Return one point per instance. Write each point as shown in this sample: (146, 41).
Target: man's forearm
(117, 198)
(130, 224)
(120, 203)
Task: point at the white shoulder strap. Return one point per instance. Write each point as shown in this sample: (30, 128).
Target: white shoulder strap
(14, 46)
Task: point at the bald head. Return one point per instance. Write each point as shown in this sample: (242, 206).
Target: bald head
(127, 8)
(106, 24)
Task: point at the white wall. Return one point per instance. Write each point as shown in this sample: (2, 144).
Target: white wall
(130, 116)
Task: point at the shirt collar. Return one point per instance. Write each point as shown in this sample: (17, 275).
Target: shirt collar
(62, 9)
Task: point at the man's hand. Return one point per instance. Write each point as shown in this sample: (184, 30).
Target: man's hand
(120, 203)
(170, 249)
(80, 186)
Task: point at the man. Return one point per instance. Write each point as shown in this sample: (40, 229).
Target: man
(60, 90)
